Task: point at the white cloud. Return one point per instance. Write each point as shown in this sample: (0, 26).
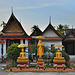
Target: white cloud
(30, 7)
(36, 7)
(51, 4)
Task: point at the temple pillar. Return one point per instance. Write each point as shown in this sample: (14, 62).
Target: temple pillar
(21, 41)
(26, 42)
(4, 49)
(0, 50)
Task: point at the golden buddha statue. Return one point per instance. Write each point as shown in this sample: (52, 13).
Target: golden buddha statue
(58, 54)
(22, 60)
(22, 54)
(40, 52)
(59, 60)
(40, 49)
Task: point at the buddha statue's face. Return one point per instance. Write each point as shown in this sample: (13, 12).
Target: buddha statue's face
(39, 41)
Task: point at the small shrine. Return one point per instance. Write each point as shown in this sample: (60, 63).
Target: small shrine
(22, 60)
(59, 61)
(40, 62)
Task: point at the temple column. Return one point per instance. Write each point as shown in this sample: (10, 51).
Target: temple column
(4, 49)
(26, 42)
(0, 50)
(21, 41)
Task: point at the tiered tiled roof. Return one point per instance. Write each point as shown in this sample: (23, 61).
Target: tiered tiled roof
(13, 30)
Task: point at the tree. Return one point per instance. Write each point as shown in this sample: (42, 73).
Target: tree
(66, 27)
(3, 24)
(36, 31)
(13, 51)
(33, 48)
(61, 28)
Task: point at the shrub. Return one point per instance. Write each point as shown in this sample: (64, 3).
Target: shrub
(54, 50)
(13, 51)
(64, 54)
(49, 66)
(52, 57)
(70, 64)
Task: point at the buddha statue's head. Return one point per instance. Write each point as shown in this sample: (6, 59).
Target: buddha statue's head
(22, 49)
(39, 41)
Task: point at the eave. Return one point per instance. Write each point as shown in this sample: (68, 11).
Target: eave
(70, 39)
(15, 38)
(53, 39)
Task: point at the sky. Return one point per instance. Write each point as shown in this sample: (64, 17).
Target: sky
(38, 12)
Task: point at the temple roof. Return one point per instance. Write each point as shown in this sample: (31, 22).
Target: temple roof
(13, 25)
(70, 36)
(51, 34)
(13, 29)
(50, 26)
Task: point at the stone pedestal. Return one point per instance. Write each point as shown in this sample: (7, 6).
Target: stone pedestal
(40, 63)
(22, 62)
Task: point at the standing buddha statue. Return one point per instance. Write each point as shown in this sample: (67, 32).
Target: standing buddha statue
(40, 52)
(40, 49)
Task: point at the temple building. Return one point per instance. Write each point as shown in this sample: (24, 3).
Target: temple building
(52, 37)
(69, 42)
(12, 33)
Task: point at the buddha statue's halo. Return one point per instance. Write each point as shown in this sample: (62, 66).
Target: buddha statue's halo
(40, 37)
(22, 45)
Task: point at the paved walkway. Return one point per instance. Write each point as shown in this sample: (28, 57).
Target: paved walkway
(36, 73)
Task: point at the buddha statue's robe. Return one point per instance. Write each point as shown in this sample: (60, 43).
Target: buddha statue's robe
(40, 49)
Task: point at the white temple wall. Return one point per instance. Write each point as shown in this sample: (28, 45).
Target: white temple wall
(49, 43)
(50, 33)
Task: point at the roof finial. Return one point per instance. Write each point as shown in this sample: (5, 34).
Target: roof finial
(12, 9)
(50, 20)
